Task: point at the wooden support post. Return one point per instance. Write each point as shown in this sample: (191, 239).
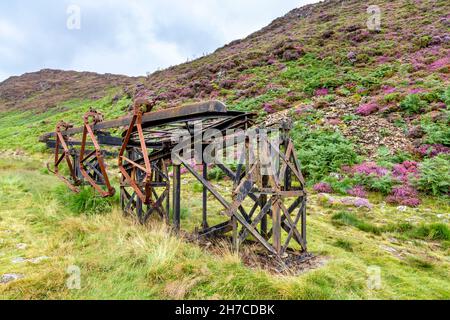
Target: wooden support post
(176, 196)
(287, 176)
(205, 198)
(304, 223)
(263, 201)
(276, 226)
(235, 236)
(168, 206)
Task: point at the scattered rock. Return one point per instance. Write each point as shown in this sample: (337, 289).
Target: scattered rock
(9, 277)
(401, 208)
(388, 249)
(37, 259)
(21, 246)
(18, 260)
(31, 260)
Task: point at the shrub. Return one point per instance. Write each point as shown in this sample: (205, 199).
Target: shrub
(357, 191)
(367, 109)
(369, 168)
(413, 103)
(383, 184)
(434, 175)
(432, 150)
(322, 152)
(84, 202)
(323, 187)
(403, 171)
(216, 174)
(404, 195)
(437, 132)
(340, 184)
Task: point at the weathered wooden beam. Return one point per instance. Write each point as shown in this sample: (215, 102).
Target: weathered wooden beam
(176, 196)
(157, 116)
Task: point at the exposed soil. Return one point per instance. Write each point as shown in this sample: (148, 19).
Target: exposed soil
(255, 256)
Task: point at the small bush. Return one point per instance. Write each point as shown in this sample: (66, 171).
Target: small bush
(434, 176)
(322, 152)
(437, 132)
(84, 202)
(413, 103)
(216, 174)
(382, 184)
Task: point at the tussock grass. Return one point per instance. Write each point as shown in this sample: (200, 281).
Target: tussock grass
(433, 231)
(121, 259)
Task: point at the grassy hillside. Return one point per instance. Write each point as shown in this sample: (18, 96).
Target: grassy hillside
(44, 229)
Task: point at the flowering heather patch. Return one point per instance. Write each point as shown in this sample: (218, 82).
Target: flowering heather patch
(404, 195)
(440, 64)
(304, 109)
(384, 59)
(321, 92)
(432, 150)
(405, 170)
(367, 109)
(267, 107)
(357, 202)
(357, 191)
(388, 89)
(362, 203)
(369, 168)
(415, 91)
(323, 187)
(271, 61)
(351, 56)
(346, 201)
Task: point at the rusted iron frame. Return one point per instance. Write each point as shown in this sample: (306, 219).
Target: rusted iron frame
(280, 215)
(152, 119)
(66, 154)
(99, 160)
(227, 206)
(131, 204)
(237, 122)
(136, 124)
(287, 224)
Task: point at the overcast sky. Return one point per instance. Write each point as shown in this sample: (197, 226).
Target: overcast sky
(125, 37)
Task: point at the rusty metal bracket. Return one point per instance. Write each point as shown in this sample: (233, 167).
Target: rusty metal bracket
(142, 187)
(66, 154)
(92, 165)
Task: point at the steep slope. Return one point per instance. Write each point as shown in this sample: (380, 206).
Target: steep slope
(47, 88)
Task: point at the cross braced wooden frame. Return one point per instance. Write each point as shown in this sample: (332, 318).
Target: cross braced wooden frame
(92, 164)
(69, 155)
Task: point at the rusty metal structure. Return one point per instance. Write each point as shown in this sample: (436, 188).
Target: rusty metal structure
(269, 209)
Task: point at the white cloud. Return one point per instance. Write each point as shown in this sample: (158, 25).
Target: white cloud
(127, 37)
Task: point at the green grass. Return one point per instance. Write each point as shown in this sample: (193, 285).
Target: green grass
(120, 259)
(345, 218)
(21, 129)
(433, 231)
